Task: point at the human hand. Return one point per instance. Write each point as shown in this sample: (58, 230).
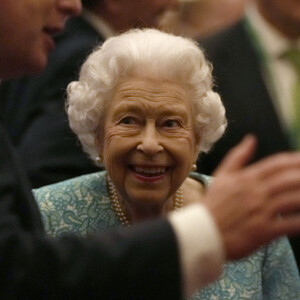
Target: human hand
(255, 204)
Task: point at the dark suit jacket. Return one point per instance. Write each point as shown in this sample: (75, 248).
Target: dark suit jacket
(238, 77)
(35, 113)
(237, 69)
(138, 263)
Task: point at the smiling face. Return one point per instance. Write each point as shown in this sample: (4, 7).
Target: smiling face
(148, 142)
(25, 33)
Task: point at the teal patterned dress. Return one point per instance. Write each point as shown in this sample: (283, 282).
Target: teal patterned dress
(82, 206)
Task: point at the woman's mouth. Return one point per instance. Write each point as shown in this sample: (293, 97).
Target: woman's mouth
(149, 172)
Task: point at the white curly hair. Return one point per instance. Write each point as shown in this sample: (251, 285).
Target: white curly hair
(143, 53)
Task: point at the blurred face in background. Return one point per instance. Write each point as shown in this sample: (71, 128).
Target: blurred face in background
(283, 14)
(146, 13)
(198, 18)
(26, 29)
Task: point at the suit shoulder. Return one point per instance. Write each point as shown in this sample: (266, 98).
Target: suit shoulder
(222, 41)
(78, 40)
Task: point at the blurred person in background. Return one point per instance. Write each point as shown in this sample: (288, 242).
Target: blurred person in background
(34, 106)
(256, 66)
(199, 18)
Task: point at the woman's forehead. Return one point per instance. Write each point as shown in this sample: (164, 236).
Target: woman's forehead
(146, 107)
(152, 101)
(150, 89)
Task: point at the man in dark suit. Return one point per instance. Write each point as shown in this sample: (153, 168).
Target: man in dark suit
(34, 107)
(255, 81)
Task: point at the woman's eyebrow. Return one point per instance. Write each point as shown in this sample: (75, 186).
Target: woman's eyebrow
(164, 111)
(127, 107)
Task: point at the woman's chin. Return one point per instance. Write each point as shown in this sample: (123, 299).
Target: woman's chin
(148, 198)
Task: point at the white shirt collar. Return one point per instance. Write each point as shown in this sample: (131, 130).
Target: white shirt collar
(278, 73)
(274, 43)
(100, 25)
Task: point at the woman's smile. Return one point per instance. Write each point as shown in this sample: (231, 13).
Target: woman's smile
(149, 173)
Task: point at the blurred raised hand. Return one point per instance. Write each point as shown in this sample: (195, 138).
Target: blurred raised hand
(254, 204)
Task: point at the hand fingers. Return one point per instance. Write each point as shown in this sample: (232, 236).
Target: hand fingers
(287, 225)
(282, 182)
(238, 156)
(286, 203)
(275, 164)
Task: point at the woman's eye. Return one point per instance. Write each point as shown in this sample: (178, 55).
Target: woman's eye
(128, 121)
(171, 123)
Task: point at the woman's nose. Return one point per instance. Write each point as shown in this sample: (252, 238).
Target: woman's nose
(150, 143)
(69, 7)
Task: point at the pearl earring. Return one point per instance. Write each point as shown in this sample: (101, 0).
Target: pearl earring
(194, 167)
(99, 160)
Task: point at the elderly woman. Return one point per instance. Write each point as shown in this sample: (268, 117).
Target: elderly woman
(144, 109)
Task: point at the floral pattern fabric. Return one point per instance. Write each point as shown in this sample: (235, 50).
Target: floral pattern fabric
(82, 206)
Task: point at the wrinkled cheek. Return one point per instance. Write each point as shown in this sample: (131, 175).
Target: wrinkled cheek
(115, 169)
(109, 164)
(110, 151)
(115, 154)
(186, 152)
(188, 142)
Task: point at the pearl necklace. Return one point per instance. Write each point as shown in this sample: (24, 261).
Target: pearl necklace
(117, 207)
